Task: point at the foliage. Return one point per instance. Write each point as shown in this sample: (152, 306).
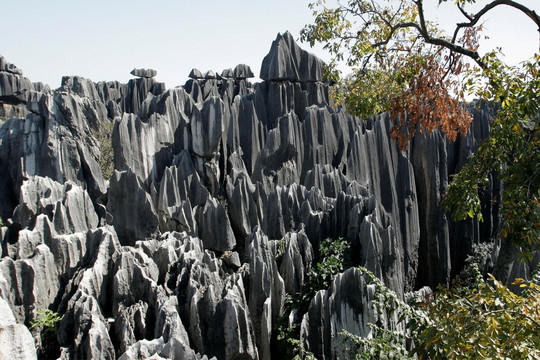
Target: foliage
(46, 323)
(334, 259)
(46, 320)
(512, 150)
(487, 322)
(400, 63)
(106, 159)
(403, 63)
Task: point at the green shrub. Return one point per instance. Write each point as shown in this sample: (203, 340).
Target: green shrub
(47, 323)
(47, 320)
(334, 259)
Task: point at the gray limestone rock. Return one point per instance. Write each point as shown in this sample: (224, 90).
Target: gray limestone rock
(131, 208)
(214, 226)
(207, 127)
(222, 194)
(287, 61)
(431, 175)
(29, 285)
(180, 190)
(14, 87)
(144, 73)
(57, 144)
(145, 147)
(209, 75)
(83, 329)
(227, 74)
(346, 305)
(80, 86)
(267, 290)
(242, 71)
(159, 349)
(296, 261)
(67, 206)
(213, 306)
(16, 341)
(7, 67)
(196, 74)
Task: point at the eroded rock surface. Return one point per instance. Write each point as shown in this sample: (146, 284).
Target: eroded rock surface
(221, 195)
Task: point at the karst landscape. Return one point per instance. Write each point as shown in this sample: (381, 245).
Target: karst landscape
(178, 223)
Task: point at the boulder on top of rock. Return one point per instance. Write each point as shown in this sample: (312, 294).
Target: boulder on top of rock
(5, 66)
(209, 75)
(195, 74)
(242, 71)
(227, 73)
(287, 61)
(144, 73)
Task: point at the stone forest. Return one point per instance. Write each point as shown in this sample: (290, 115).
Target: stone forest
(146, 222)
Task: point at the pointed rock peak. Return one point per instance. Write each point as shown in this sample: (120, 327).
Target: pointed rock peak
(287, 61)
(196, 74)
(242, 71)
(144, 73)
(227, 74)
(5, 66)
(209, 75)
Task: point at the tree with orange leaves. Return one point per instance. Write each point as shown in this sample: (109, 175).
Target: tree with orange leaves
(405, 64)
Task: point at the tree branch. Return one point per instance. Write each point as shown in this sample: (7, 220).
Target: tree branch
(473, 19)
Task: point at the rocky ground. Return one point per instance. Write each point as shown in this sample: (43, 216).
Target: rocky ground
(221, 194)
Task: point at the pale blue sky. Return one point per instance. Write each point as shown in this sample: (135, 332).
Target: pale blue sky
(106, 39)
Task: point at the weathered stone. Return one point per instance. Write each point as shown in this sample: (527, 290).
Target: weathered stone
(207, 127)
(11, 68)
(227, 74)
(80, 86)
(29, 285)
(196, 74)
(83, 328)
(144, 73)
(214, 307)
(267, 291)
(131, 208)
(209, 75)
(286, 61)
(216, 233)
(242, 71)
(218, 185)
(16, 341)
(68, 206)
(296, 261)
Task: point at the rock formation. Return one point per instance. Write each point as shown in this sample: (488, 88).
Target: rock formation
(222, 193)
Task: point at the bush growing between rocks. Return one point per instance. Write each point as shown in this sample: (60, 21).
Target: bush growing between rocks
(47, 323)
(334, 259)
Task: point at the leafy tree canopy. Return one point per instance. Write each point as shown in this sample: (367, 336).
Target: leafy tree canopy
(405, 64)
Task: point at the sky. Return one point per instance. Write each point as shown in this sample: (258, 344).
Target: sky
(104, 40)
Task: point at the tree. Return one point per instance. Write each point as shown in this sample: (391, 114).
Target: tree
(405, 64)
